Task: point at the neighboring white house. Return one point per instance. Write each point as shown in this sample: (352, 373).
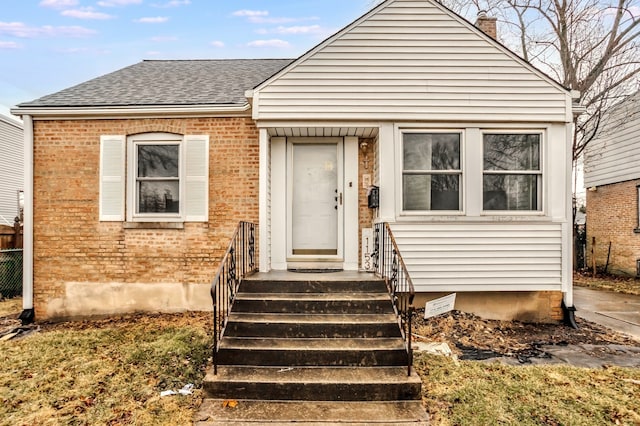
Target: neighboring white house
(11, 168)
(612, 175)
(614, 155)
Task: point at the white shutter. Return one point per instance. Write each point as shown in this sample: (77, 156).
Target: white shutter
(197, 178)
(112, 175)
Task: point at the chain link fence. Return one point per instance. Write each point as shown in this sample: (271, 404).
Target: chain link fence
(10, 273)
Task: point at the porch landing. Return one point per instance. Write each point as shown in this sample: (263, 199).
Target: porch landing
(338, 276)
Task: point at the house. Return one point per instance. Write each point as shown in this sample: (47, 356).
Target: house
(612, 177)
(141, 176)
(11, 169)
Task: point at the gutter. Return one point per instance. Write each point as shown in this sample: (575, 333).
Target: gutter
(109, 112)
(28, 314)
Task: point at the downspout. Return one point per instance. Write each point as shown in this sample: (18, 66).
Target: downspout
(28, 315)
(568, 308)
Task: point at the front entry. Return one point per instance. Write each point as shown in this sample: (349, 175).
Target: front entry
(315, 197)
(309, 203)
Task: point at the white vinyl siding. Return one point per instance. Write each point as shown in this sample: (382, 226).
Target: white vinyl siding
(11, 169)
(411, 61)
(482, 256)
(614, 156)
(112, 178)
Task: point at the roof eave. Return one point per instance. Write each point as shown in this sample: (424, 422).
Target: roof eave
(142, 111)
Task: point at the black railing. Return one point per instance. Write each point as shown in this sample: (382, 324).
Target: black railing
(237, 263)
(388, 264)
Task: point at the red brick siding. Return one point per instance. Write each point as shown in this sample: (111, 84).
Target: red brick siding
(71, 245)
(365, 166)
(612, 216)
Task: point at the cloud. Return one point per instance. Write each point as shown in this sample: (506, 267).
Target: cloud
(172, 3)
(216, 43)
(153, 53)
(163, 39)
(269, 43)
(250, 13)
(85, 13)
(59, 4)
(114, 3)
(21, 30)
(152, 20)
(10, 45)
(308, 29)
(262, 17)
(82, 50)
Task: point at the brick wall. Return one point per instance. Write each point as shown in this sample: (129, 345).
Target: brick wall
(612, 216)
(71, 245)
(365, 166)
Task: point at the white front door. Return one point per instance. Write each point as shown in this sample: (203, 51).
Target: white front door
(316, 199)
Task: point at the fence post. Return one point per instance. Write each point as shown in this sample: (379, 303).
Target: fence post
(16, 234)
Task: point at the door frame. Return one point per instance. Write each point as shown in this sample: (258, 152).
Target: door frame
(273, 203)
(340, 164)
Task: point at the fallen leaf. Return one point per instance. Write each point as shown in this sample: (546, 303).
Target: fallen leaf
(229, 403)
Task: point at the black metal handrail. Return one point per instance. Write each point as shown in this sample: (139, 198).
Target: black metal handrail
(389, 265)
(237, 262)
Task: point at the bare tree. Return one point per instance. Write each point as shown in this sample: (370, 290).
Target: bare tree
(592, 46)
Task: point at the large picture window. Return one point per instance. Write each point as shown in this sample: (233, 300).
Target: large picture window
(512, 177)
(431, 173)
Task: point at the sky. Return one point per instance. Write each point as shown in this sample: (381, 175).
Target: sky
(49, 45)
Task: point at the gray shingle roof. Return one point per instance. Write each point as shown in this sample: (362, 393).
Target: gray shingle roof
(171, 82)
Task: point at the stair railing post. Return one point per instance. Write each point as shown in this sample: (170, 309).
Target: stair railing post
(236, 263)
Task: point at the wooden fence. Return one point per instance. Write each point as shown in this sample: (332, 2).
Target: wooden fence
(11, 236)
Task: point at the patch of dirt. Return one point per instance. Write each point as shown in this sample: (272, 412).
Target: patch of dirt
(471, 337)
(176, 320)
(609, 282)
(10, 323)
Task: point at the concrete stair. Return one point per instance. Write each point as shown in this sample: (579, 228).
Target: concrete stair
(321, 344)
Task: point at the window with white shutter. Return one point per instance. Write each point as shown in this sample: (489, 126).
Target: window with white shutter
(112, 178)
(167, 178)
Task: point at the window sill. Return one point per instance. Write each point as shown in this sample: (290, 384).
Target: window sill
(154, 225)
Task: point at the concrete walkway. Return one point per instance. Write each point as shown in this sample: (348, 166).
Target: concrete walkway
(619, 312)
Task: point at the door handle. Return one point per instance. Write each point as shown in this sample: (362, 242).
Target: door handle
(341, 198)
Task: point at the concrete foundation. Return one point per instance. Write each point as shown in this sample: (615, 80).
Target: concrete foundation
(86, 299)
(526, 306)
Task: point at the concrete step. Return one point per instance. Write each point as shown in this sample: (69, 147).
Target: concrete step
(247, 324)
(313, 383)
(247, 412)
(322, 303)
(309, 352)
(313, 286)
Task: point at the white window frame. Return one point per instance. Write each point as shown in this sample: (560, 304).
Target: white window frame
(132, 164)
(539, 173)
(460, 172)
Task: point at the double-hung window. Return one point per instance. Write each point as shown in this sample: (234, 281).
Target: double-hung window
(431, 171)
(157, 179)
(512, 177)
(154, 177)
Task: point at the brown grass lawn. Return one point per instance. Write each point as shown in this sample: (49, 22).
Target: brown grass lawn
(111, 372)
(475, 393)
(10, 307)
(107, 372)
(625, 285)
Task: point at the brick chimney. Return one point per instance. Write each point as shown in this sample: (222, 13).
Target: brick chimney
(487, 24)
